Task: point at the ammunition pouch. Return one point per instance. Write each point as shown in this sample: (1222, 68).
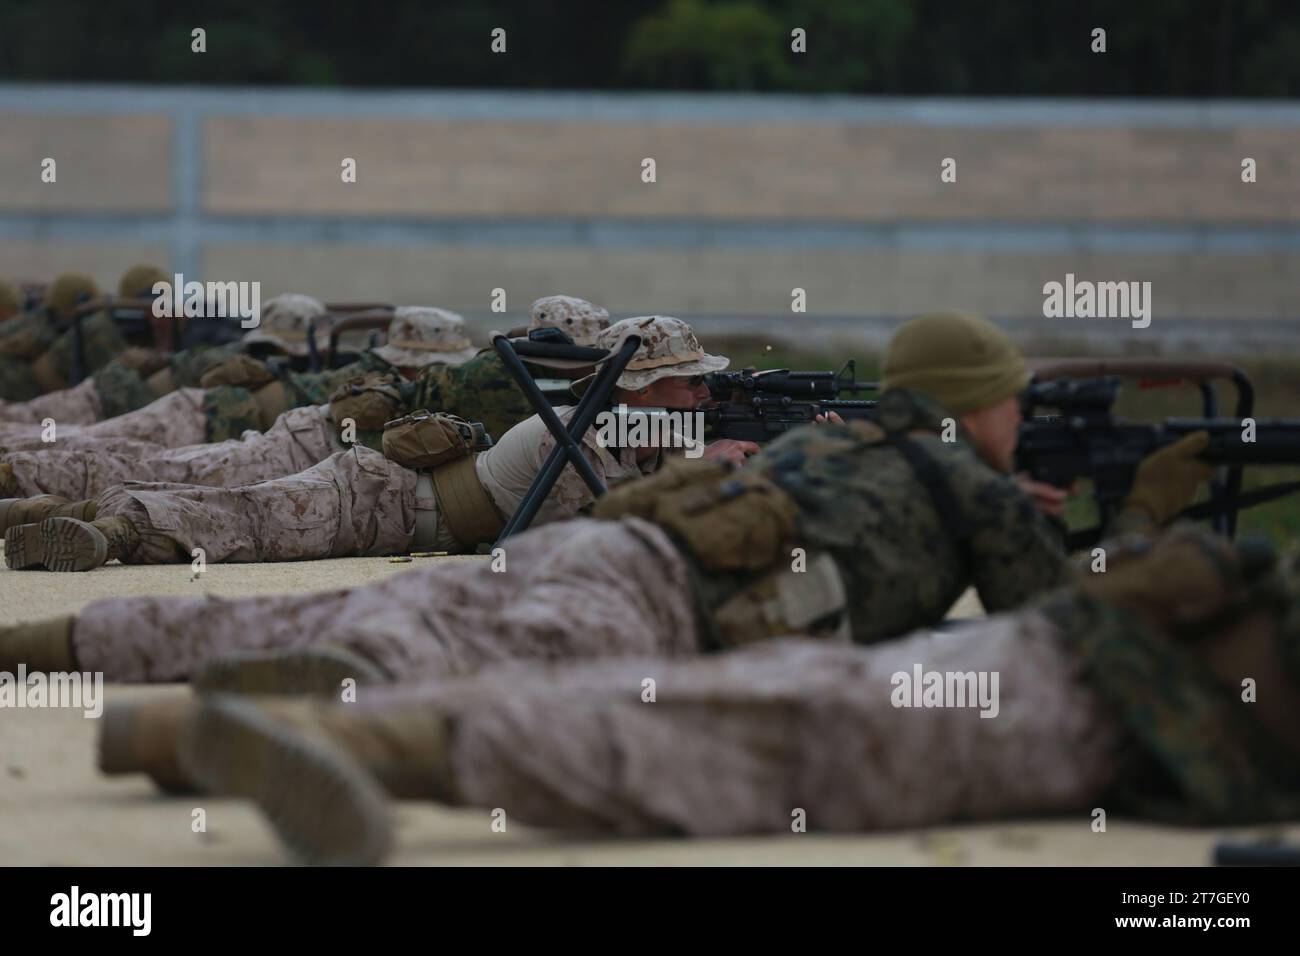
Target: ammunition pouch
(730, 520)
(784, 602)
(272, 402)
(425, 439)
(370, 400)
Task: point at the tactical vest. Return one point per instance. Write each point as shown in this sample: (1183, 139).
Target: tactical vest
(738, 533)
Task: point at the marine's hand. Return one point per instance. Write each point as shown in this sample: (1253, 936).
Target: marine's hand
(830, 417)
(1049, 499)
(1167, 480)
(729, 449)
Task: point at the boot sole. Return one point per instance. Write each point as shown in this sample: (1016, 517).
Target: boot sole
(23, 548)
(56, 544)
(300, 670)
(325, 808)
(84, 511)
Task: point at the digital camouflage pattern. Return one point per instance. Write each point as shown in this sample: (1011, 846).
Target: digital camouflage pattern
(669, 347)
(569, 592)
(422, 335)
(735, 741)
(300, 438)
(315, 388)
(22, 339)
(120, 390)
(750, 733)
(188, 366)
(1200, 756)
(26, 335)
(174, 420)
(902, 568)
(101, 340)
(228, 412)
(581, 320)
(354, 503)
(17, 381)
(481, 390)
(231, 410)
(78, 405)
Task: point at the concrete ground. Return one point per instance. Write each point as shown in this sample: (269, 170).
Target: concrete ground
(55, 807)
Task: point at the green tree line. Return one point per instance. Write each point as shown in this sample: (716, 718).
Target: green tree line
(1159, 48)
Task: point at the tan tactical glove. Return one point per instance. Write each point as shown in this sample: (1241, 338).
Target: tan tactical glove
(241, 370)
(1167, 480)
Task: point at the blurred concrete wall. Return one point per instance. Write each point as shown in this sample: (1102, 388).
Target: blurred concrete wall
(461, 193)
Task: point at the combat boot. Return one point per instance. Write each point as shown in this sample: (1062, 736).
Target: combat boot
(67, 544)
(20, 511)
(44, 645)
(142, 737)
(320, 669)
(320, 772)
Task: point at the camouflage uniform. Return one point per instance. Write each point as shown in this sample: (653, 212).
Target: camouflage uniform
(569, 590)
(119, 388)
(1099, 702)
(306, 515)
(25, 339)
(902, 568)
(483, 382)
(121, 404)
(22, 338)
(100, 337)
(174, 420)
(314, 513)
(735, 742)
(300, 437)
(234, 452)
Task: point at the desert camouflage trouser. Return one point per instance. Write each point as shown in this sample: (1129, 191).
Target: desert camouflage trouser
(174, 420)
(79, 405)
(354, 503)
(742, 742)
(300, 438)
(568, 591)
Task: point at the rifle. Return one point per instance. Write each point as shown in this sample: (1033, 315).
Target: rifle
(758, 406)
(1084, 439)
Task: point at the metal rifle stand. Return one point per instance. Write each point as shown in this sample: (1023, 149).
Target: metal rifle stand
(568, 449)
